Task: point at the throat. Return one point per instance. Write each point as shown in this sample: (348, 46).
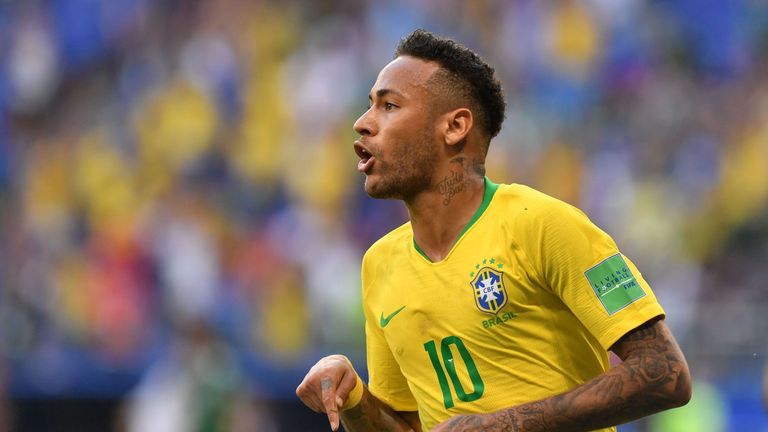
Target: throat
(435, 232)
(438, 227)
(433, 255)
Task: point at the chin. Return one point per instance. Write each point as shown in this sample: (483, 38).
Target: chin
(375, 189)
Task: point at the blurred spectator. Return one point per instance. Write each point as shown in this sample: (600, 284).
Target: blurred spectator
(196, 386)
(5, 419)
(765, 387)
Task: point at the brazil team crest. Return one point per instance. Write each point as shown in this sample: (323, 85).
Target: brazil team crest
(490, 294)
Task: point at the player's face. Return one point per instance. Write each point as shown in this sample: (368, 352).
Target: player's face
(398, 146)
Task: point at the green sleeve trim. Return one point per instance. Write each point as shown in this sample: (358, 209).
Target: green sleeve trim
(490, 190)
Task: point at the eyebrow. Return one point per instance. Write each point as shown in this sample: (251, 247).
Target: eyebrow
(383, 92)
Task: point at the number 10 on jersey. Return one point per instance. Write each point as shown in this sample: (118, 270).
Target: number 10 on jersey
(450, 366)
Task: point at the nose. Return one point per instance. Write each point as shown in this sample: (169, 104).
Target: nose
(365, 125)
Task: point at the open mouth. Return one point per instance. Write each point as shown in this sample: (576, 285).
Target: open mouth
(366, 158)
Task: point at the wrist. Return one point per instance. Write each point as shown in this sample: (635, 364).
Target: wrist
(355, 395)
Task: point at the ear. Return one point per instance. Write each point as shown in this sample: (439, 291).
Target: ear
(457, 125)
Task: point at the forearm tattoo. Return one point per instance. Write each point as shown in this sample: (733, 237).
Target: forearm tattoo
(652, 378)
(372, 415)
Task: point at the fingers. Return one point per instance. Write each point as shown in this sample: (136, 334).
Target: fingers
(329, 399)
(347, 383)
(309, 398)
(308, 392)
(326, 387)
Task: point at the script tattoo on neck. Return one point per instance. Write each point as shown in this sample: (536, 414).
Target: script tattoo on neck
(455, 182)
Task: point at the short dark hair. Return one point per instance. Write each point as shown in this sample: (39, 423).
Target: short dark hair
(468, 74)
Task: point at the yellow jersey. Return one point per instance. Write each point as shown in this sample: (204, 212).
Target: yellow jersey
(525, 306)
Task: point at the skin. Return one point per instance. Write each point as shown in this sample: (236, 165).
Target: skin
(653, 377)
(427, 154)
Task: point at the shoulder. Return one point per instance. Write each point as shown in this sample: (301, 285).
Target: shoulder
(524, 205)
(516, 193)
(537, 222)
(388, 244)
(378, 260)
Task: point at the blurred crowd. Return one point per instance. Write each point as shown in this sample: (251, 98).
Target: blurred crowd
(179, 198)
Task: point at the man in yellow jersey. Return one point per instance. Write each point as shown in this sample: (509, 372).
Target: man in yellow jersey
(495, 307)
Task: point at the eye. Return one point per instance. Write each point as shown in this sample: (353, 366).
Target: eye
(389, 106)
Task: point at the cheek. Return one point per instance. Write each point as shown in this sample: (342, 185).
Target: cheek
(405, 137)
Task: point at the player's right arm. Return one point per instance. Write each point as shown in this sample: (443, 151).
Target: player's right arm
(372, 414)
(333, 387)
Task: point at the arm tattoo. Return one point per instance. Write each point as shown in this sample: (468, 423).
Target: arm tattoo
(373, 415)
(653, 377)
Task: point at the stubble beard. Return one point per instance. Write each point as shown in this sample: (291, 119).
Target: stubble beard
(408, 173)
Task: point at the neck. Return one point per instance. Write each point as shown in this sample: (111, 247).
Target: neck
(439, 215)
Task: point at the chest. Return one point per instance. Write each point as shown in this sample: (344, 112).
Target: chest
(477, 296)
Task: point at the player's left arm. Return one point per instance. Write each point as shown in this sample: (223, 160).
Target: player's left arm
(653, 377)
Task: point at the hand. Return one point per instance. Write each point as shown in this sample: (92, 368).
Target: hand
(327, 385)
(465, 423)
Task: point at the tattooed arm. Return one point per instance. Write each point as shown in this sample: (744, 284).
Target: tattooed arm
(372, 414)
(653, 377)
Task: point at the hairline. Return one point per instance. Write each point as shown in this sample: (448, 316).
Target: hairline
(441, 77)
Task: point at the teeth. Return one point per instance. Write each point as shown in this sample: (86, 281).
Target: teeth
(362, 152)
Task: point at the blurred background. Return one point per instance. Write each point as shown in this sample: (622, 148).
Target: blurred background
(183, 223)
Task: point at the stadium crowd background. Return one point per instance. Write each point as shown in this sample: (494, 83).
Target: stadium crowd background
(183, 223)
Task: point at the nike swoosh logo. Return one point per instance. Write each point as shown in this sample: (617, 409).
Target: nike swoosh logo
(384, 321)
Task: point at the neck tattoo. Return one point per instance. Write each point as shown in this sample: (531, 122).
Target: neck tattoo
(451, 185)
(454, 183)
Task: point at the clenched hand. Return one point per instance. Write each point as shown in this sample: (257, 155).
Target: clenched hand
(326, 386)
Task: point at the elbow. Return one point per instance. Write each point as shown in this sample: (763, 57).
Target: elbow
(671, 390)
(685, 388)
(681, 390)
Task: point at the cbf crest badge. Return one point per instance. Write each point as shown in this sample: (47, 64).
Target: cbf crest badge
(488, 286)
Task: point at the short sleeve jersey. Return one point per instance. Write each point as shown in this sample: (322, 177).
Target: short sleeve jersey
(524, 306)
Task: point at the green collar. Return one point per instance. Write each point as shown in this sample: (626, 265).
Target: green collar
(490, 189)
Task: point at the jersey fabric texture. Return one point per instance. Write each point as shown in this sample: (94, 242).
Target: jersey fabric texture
(524, 307)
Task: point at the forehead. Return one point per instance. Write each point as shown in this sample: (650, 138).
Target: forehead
(406, 75)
